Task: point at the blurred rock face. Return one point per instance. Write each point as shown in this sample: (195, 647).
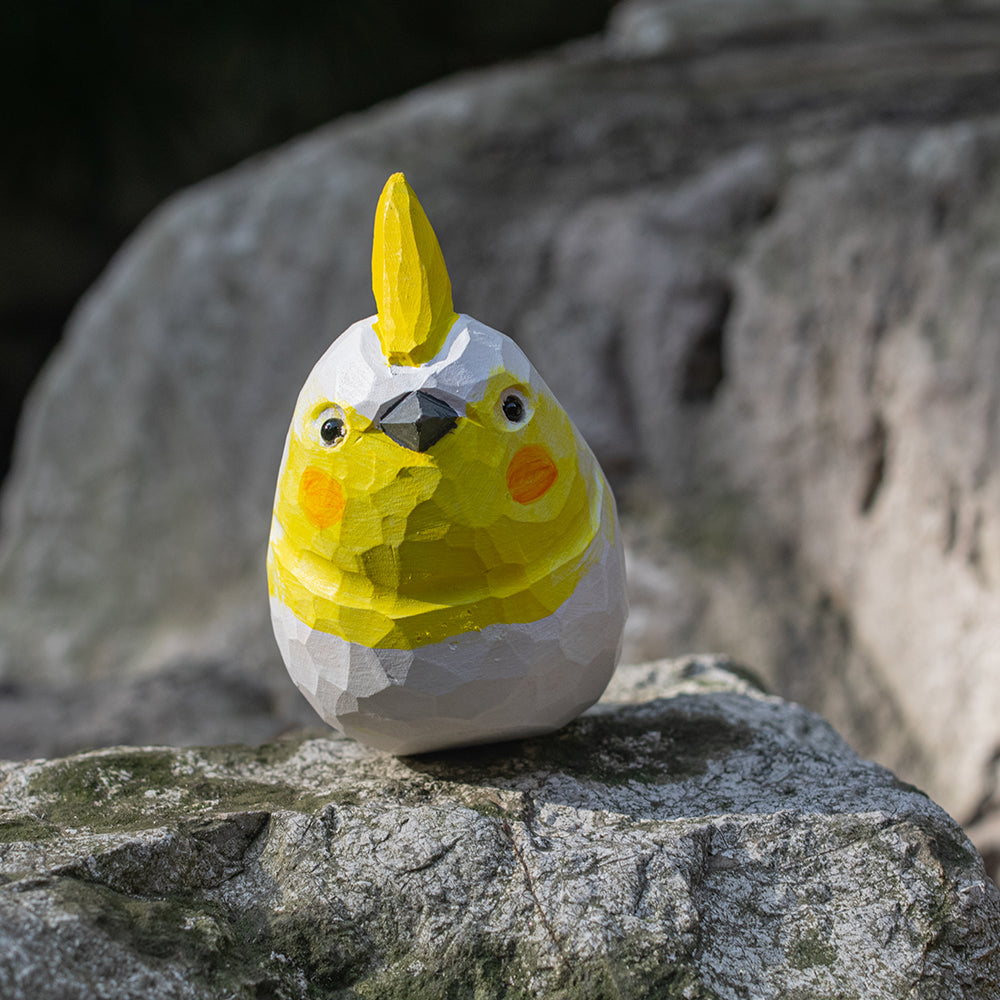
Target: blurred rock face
(762, 277)
(109, 109)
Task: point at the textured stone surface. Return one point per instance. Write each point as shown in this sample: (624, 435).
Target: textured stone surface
(865, 388)
(716, 843)
(775, 260)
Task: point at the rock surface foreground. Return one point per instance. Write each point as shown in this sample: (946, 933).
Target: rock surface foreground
(715, 843)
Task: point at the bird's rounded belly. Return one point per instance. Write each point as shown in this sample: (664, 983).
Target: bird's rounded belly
(504, 681)
(389, 586)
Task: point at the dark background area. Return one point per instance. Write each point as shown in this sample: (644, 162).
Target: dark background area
(111, 105)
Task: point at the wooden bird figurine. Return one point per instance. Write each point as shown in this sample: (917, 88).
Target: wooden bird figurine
(445, 565)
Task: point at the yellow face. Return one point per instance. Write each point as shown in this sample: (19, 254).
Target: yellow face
(393, 535)
(392, 547)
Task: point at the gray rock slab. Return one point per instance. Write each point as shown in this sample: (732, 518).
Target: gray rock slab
(695, 839)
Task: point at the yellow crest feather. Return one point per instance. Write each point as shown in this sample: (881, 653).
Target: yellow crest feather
(409, 278)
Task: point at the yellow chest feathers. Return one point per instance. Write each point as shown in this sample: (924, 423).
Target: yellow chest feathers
(392, 547)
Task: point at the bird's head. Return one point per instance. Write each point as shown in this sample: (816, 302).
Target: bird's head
(431, 483)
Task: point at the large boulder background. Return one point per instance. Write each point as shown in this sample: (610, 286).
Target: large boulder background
(752, 247)
(109, 108)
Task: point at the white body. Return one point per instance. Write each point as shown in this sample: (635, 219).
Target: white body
(504, 682)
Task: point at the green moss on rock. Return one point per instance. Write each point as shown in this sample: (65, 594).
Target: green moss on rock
(279, 751)
(173, 928)
(619, 857)
(483, 970)
(22, 828)
(811, 949)
(141, 789)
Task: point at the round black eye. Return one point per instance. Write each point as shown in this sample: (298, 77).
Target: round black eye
(332, 430)
(513, 408)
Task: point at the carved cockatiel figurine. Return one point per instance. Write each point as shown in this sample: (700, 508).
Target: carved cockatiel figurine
(444, 565)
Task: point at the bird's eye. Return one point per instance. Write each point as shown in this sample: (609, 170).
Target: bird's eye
(332, 430)
(513, 407)
(330, 425)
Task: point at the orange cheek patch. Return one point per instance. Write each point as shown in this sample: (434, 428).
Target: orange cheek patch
(320, 497)
(531, 472)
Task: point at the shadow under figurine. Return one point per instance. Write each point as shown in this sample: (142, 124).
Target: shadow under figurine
(445, 565)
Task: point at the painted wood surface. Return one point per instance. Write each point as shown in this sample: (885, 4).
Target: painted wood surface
(444, 565)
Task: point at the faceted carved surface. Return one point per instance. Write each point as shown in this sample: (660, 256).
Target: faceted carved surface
(418, 420)
(445, 566)
(505, 682)
(418, 547)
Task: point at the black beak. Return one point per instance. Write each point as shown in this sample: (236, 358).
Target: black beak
(417, 420)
